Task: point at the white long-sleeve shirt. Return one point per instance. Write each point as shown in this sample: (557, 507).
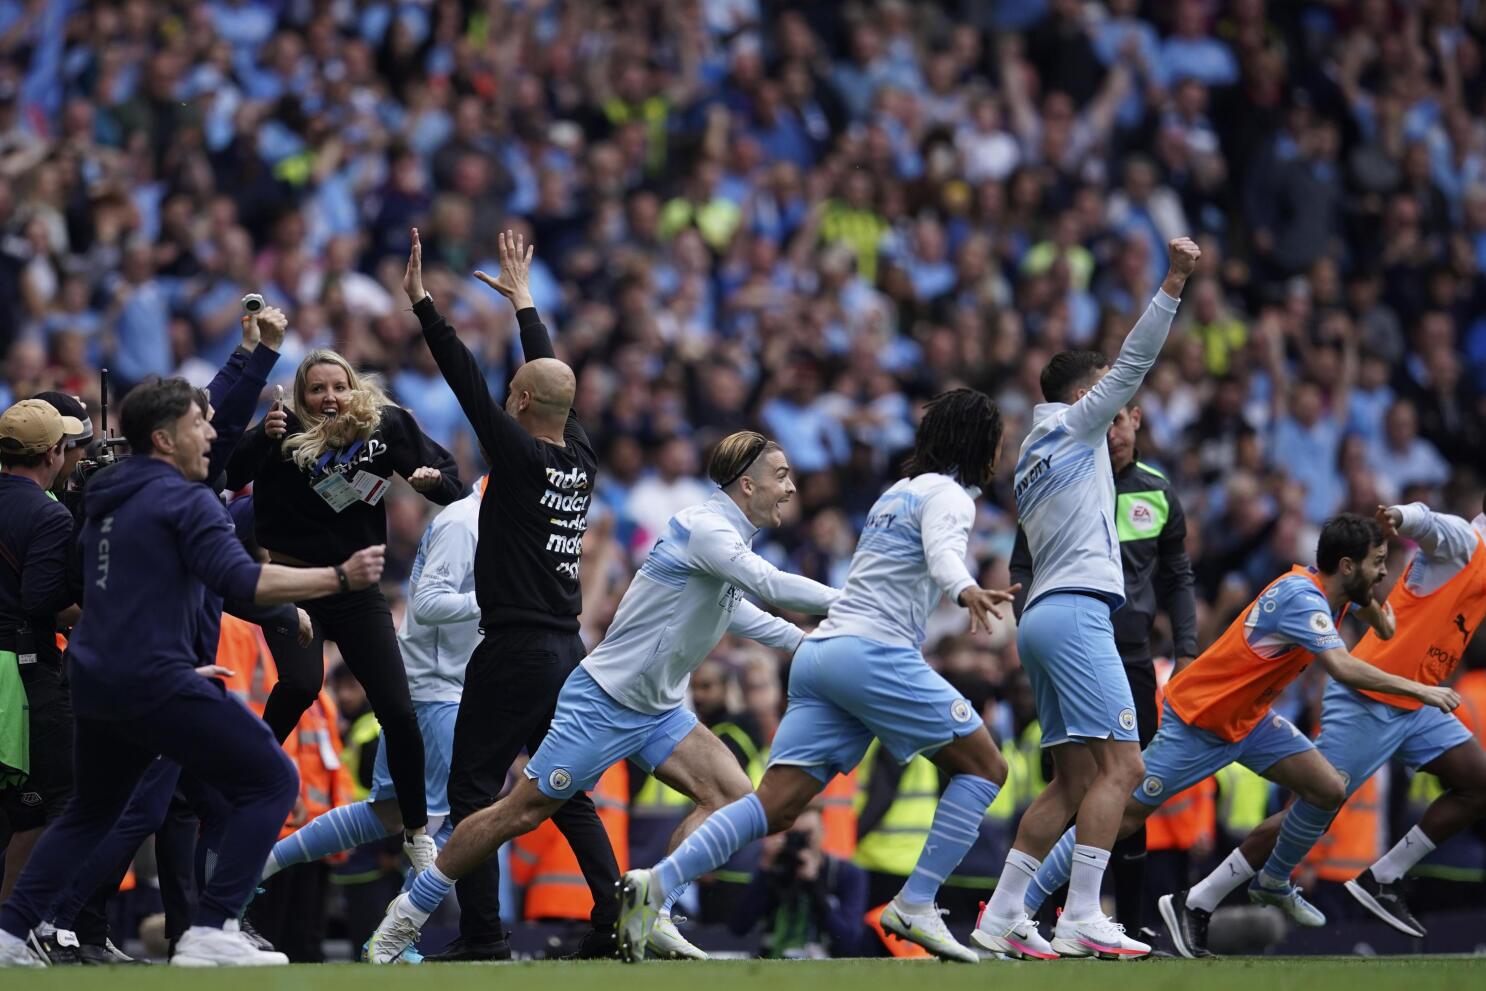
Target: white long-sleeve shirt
(1446, 545)
(912, 552)
(1065, 491)
(688, 592)
(441, 627)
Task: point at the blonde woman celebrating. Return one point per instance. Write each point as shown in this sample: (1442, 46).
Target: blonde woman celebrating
(319, 472)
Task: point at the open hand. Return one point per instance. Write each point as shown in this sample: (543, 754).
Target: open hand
(514, 282)
(1442, 698)
(412, 279)
(425, 479)
(983, 603)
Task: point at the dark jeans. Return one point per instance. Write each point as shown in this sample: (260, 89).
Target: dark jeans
(44, 796)
(211, 735)
(178, 810)
(291, 912)
(510, 694)
(360, 623)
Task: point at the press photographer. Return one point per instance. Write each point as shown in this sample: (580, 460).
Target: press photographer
(810, 903)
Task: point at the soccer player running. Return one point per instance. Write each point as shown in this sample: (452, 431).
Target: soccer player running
(1158, 575)
(1438, 603)
(439, 632)
(1065, 500)
(1218, 708)
(861, 674)
(625, 699)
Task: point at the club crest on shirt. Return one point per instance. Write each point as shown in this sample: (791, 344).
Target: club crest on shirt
(559, 779)
(960, 711)
(1127, 718)
(1152, 786)
(1321, 622)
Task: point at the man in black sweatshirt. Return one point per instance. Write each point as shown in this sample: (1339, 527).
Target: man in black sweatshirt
(532, 519)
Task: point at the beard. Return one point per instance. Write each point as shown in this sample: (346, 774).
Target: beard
(1359, 589)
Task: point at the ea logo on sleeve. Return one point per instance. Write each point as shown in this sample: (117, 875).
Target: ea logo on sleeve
(559, 779)
(960, 711)
(1152, 786)
(1127, 718)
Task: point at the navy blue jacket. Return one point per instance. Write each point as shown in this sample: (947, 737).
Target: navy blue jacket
(153, 543)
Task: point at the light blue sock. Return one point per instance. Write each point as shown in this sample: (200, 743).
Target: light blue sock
(439, 839)
(676, 893)
(1053, 873)
(429, 890)
(342, 828)
(1304, 824)
(956, 826)
(725, 832)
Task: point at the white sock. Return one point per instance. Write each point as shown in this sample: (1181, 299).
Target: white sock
(1011, 890)
(1083, 883)
(1226, 878)
(1394, 864)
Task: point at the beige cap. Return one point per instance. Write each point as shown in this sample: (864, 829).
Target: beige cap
(32, 426)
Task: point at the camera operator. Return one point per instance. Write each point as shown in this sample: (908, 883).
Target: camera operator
(35, 542)
(811, 903)
(153, 541)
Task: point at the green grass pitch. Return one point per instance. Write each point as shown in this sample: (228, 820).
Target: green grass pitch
(1235, 974)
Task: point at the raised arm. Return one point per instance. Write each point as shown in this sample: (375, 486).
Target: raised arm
(719, 551)
(1090, 417)
(501, 436)
(235, 390)
(1443, 538)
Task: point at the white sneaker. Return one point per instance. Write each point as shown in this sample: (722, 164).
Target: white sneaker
(421, 851)
(1017, 938)
(398, 931)
(203, 946)
(667, 942)
(640, 899)
(17, 952)
(927, 929)
(1098, 937)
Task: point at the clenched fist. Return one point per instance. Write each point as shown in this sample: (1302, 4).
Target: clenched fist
(364, 568)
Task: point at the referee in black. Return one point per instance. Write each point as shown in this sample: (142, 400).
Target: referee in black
(532, 519)
(1158, 576)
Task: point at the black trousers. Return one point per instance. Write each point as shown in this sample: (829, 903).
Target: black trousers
(360, 623)
(291, 912)
(510, 694)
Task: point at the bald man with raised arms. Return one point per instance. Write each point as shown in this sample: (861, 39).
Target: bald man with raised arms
(532, 518)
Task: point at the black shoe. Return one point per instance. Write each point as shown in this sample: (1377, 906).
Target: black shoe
(599, 943)
(59, 948)
(1152, 938)
(106, 955)
(1187, 925)
(463, 950)
(254, 936)
(1386, 902)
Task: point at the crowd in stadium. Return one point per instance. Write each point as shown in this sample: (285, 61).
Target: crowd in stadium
(804, 218)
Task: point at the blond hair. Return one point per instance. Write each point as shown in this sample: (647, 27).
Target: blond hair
(357, 418)
(735, 454)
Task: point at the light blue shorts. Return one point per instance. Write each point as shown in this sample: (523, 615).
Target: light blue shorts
(436, 723)
(1182, 755)
(1066, 642)
(1360, 735)
(591, 732)
(843, 691)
